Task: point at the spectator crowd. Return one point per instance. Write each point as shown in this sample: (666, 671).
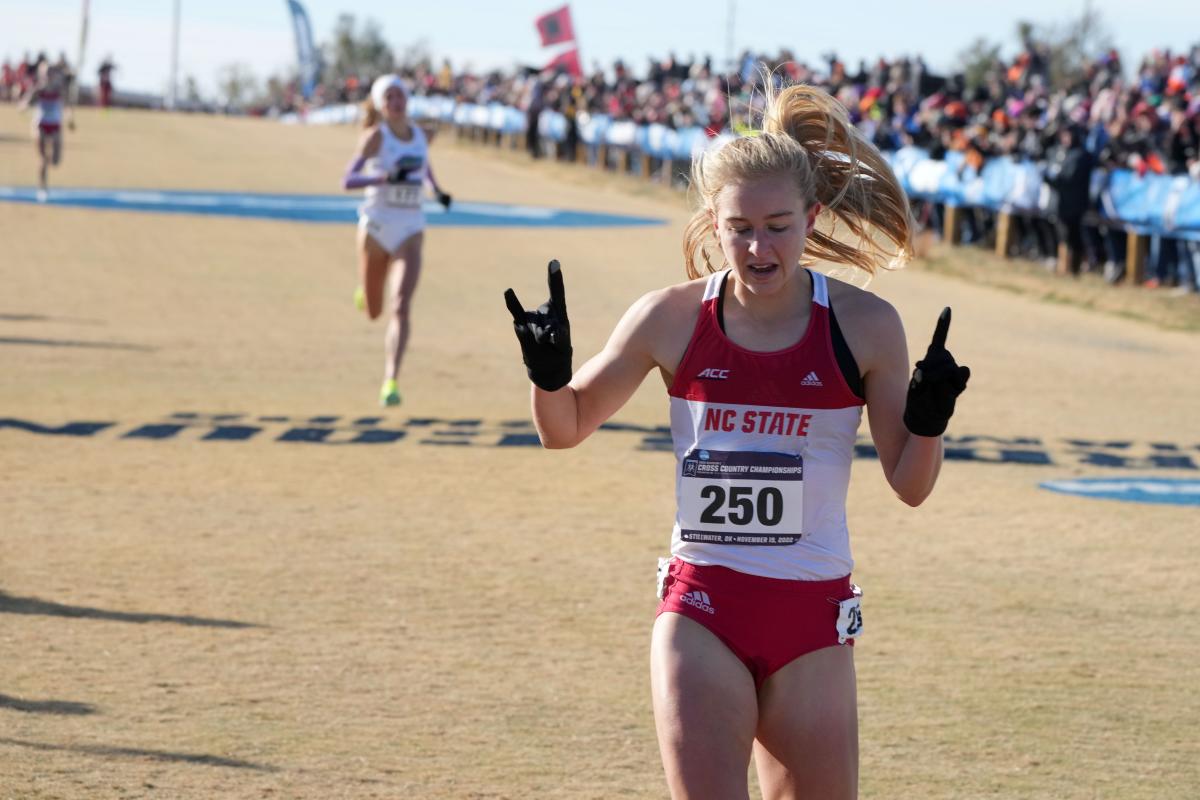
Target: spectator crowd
(1104, 118)
(18, 77)
(1098, 116)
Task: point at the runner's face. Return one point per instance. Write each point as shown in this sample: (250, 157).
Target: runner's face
(395, 103)
(762, 225)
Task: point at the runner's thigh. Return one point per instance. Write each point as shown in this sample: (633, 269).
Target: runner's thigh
(705, 709)
(807, 740)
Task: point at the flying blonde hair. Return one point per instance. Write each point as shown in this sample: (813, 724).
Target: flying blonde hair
(808, 135)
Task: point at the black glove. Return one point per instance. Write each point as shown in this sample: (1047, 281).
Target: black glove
(445, 199)
(545, 334)
(403, 168)
(936, 383)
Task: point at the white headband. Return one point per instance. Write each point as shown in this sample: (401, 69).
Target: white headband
(379, 90)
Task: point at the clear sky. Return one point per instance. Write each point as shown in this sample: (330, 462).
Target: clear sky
(499, 33)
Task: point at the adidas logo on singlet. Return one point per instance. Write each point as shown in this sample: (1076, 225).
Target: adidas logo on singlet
(699, 600)
(811, 379)
(714, 374)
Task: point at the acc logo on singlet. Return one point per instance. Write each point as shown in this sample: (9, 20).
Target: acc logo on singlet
(1175, 491)
(714, 374)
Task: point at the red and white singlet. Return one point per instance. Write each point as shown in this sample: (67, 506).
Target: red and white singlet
(763, 445)
(48, 113)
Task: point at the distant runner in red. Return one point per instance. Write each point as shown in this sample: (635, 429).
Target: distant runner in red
(768, 366)
(104, 77)
(48, 97)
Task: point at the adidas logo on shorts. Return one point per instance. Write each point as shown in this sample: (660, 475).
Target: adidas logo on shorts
(699, 599)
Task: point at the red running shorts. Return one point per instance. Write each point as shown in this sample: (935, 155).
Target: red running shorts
(766, 622)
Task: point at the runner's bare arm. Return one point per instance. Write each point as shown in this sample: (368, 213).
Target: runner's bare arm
(910, 463)
(368, 146)
(433, 184)
(443, 197)
(26, 99)
(602, 385)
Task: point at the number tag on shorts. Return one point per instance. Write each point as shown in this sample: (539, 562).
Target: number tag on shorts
(664, 567)
(405, 195)
(741, 498)
(850, 622)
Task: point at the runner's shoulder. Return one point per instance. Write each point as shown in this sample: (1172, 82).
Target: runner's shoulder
(861, 310)
(658, 318)
(369, 141)
(671, 305)
(871, 325)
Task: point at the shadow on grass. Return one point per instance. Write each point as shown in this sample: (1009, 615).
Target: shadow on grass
(9, 316)
(106, 751)
(31, 605)
(28, 340)
(65, 707)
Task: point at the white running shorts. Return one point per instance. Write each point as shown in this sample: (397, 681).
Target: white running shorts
(391, 227)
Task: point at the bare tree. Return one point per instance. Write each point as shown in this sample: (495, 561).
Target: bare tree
(358, 51)
(236, 85)
(1067, 47)
(978, 61)
(416, 55)
(191, 91)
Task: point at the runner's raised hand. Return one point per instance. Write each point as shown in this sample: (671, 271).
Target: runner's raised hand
(545, 334)
(936, 383)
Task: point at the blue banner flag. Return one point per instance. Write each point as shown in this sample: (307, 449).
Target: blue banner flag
(307, 56)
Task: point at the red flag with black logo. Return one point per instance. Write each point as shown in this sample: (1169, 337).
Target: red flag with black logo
(568, 61)
(555, 26)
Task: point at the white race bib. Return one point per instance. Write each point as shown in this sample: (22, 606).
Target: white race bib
(404, 195)
(664, 567)
(741, 498)
(850, 622)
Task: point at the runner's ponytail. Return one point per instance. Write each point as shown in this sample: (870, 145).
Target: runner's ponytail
(370, 114)
(807, 134)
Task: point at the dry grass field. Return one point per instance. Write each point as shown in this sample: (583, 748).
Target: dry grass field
(221, 588)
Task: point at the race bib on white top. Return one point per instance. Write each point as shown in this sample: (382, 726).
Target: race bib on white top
(404, 195)
(741, 498)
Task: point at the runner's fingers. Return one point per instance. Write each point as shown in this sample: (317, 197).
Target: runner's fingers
(558, 293)
(943, 328)
(514, 307)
